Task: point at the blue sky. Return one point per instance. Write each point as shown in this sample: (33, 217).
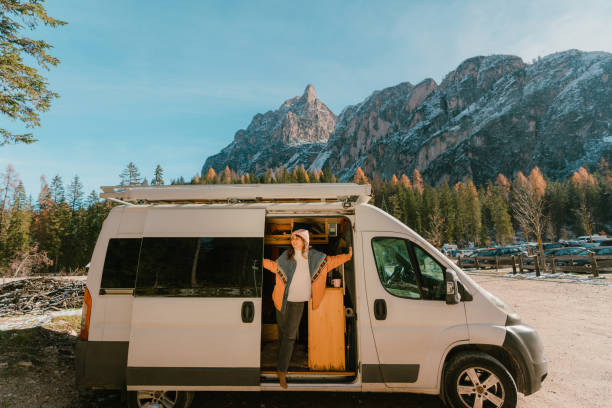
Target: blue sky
(157, 82)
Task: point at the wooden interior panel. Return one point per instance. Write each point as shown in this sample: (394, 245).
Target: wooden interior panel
(326, 327)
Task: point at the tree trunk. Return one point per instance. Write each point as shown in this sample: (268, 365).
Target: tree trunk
(541, 249)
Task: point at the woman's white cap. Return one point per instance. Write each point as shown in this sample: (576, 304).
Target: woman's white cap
(303, 234)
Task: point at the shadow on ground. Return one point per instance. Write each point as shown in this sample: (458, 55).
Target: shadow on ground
(267, 399)
(313, 399)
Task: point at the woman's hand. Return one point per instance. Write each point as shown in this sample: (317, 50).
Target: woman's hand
(350, 252)
(270, 265)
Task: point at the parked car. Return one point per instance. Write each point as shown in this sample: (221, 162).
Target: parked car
(511, 251)
(461, 252)
(558, 252)
(573, 243)
(592, 238)
(176, 301)
(591, 244)
(478, 253)
(607, 250)
(447, 249)
(552, 245)
(573, 251)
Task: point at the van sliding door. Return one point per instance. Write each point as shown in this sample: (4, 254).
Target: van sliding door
(196, 317)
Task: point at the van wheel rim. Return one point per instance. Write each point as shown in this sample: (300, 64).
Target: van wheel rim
(156, 399)
(478, 387)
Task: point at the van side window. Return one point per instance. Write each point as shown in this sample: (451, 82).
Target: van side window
(395, 268)
(120, 264)
(204, 267)
(432, 276)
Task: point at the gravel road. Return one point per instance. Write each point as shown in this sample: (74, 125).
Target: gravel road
(576, 327)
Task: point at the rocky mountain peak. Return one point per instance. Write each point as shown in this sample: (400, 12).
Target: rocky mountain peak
(483, 71)
(297, 129)
(310, 95)
(491, 114)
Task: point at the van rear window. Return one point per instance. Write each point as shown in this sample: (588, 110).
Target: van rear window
(120, 264)
(204, 267)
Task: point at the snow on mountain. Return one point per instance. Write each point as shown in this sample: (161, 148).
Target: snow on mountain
(491, 114)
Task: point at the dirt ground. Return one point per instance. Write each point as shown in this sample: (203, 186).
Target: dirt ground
(575, 324)
(36, 364)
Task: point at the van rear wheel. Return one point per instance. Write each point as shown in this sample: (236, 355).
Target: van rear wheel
(160, 399)
(477, 380)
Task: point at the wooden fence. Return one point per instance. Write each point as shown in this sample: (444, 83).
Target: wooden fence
(591, 264)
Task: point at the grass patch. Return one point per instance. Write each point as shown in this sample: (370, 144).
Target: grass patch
(65, 324)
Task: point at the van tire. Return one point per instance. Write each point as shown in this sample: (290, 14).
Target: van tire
(478, 375)
(181, 399)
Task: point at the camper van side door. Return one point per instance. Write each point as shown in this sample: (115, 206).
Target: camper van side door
(196, 317)
(418, 324)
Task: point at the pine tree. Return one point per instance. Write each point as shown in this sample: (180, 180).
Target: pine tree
(75, 194)
(448, 210)
(557, 197)
(178, 181)
(24, 93)
(469, 218)
(412, 212)
(59, 222)
(300, 175)
(158, 176)
(328, 176)
(502, 223)
(8, 182)
(57, 189)
(40, 224)
(19, 221)
(130, 176)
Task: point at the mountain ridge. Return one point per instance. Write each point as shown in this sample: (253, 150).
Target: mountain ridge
(492, 114)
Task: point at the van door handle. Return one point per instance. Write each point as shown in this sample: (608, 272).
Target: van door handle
(248, 312)
(380, 309)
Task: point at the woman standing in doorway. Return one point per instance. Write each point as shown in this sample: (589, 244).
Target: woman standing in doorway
(300, 276)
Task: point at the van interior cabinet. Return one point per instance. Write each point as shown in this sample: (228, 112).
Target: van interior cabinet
(326, 327)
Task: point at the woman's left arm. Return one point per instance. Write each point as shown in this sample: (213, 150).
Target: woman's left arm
(337, 260)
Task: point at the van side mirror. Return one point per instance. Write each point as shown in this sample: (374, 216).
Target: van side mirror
(452, 289)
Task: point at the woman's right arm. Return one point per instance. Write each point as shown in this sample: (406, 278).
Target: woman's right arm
(270, 265)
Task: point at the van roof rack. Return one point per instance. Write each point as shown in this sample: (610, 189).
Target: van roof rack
(238, 193)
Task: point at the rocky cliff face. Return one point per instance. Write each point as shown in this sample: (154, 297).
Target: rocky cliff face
(490, 115)
(291, 135)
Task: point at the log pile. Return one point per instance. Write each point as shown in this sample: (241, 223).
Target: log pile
(40, 295)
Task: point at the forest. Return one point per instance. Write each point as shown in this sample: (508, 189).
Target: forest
(57, 231)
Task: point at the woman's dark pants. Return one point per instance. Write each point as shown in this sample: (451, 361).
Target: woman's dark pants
(288, 324)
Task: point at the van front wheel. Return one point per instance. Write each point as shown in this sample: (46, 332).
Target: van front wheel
(160, 399)
(477, 380)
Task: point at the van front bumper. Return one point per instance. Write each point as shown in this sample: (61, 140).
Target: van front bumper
(101, 364)
(524, 345)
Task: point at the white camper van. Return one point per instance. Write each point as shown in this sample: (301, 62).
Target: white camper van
(177, 301)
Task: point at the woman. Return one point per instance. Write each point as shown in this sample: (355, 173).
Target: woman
(300, 275)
